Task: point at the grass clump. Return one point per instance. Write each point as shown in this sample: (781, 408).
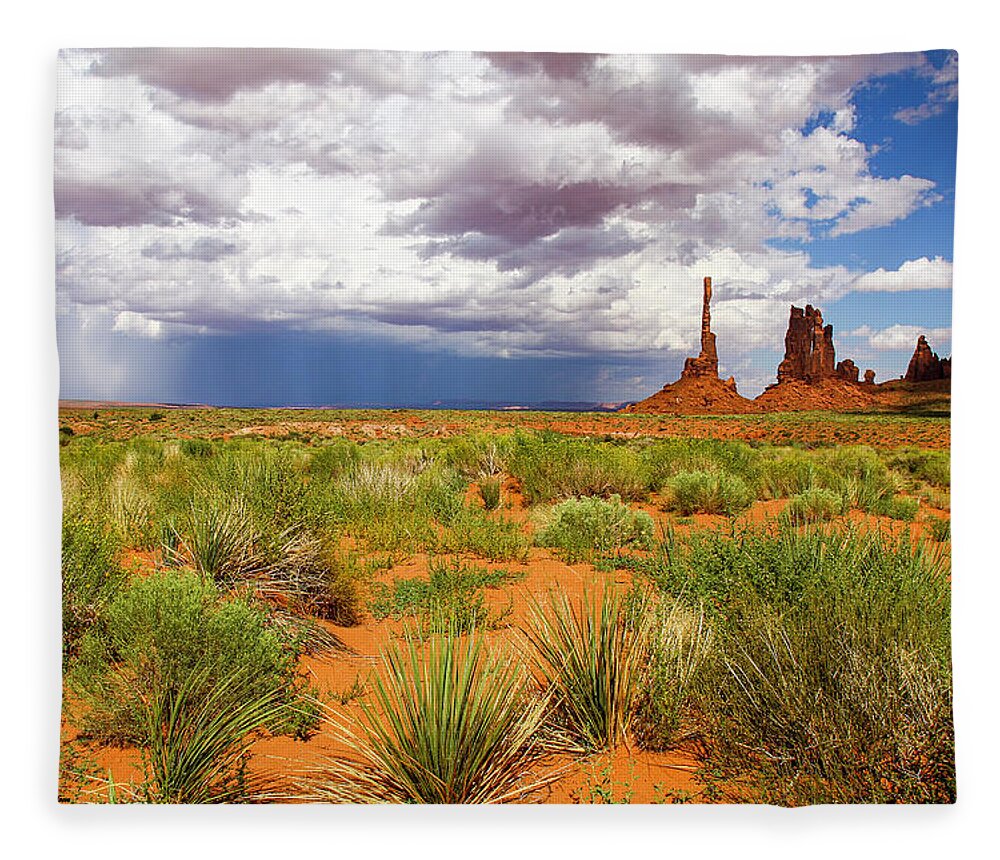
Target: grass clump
(489, 492)
(815, 506)
(448, 723)
(591, 655)
(581, 527)
(939, 528)
(707, 493)
(450, 599)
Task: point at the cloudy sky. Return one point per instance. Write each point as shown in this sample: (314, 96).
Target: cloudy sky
(302, 227)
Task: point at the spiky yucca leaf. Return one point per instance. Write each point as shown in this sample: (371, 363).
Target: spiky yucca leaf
(448, 724)
(198, 742)
(591, 654)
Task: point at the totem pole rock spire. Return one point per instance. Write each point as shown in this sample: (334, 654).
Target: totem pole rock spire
(707, 362)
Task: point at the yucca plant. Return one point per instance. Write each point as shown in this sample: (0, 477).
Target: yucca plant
(198, 741)
(591, 653)
(218, 540)
(448, 724)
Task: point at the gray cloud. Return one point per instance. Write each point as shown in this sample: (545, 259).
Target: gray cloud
(207, 249)
(124, 201)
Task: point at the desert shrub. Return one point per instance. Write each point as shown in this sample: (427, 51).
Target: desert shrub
(197, 447)
(498, 539)
(707, 493)
(218, 539)
(156, 635)
(91, 576)
(939, 528)
(667, 458)
(933, 467)
(312, 577)
(332, 460)
(831, 674)
(550, 466)
(591, 654)
(451, 598)
(489, 492)
(815, 505)
(680, 645)
(838, 706)
(450, 723)
(897, 507)
(583, 526)
(786, 472)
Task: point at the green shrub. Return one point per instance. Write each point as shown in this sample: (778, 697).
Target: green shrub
(91, 577)
(815, 505)
(933, 467)
(159, 632)
(450, 723)
(707, 493)
(550, 467)
(498, 539)
(219, 540)
(581, 527)
(197, 447)
(680, 645)
(940, 528)
(898, 508)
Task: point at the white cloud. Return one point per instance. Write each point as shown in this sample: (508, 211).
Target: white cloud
(903, 337)
(511, 206)
(924, 273)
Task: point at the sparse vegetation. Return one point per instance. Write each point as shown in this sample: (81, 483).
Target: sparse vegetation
(809, 654)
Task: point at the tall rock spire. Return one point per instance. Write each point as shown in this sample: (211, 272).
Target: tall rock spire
(707, 362)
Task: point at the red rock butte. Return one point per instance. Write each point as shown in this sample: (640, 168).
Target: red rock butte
(809, 376)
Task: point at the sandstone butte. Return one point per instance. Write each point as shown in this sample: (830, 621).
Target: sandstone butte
(809, 376)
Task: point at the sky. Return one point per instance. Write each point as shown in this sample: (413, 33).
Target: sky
(303, 227)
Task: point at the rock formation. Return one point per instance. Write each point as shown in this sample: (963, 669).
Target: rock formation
(809, 351)
(869, 377)
(707, 362)
(699, 390)
(848, 370)
(925, 366)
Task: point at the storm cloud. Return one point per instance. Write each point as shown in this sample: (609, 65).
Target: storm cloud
(486, 204)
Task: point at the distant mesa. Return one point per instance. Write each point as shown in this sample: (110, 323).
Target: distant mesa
(925, 366)
(809, 376)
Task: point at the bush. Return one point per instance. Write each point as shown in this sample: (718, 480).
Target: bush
(450, 723)
(815, 506)
(680, 645)
(91, 577)
(550, 466)
(898, 508)
(581, 527)
(939, 528)
(499, 539)
(707, 493)
(156, 635)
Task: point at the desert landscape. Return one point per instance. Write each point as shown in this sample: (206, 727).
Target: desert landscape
(697, 599)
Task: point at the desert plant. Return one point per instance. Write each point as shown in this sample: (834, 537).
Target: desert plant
(197, 734)
(218, 538)
(815, 505)
(680, 645)
(489, 491)
(91, 577)
(707, 493)
(591, 655)
(155, 634)
(584, 526)
(939, 528)
(448, 723)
